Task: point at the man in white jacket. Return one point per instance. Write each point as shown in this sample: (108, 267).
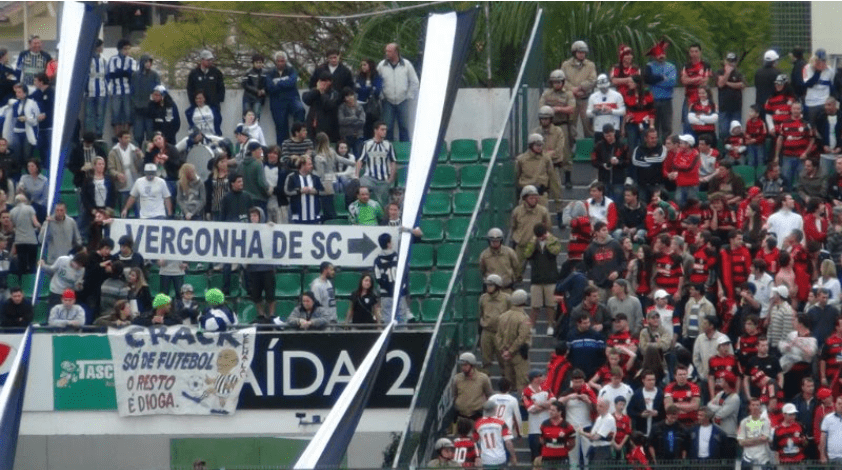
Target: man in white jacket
(400, 85)
(605, 106)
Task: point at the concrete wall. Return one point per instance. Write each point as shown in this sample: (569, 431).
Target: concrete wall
(825, 26)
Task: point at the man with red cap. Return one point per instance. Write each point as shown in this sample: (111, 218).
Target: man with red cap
(67, 313)
(824, 408)
(661, 77)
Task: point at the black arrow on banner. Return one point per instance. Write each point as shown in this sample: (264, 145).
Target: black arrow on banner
(363, 246)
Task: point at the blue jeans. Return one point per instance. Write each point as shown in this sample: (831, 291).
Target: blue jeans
(121, 109)
(45, 139)
(142, 127)
(683, 193)
(790, 169)
(175, 281)
(21, 148)
(663, 117)
(399, 112)
(250, 104)
(755, 155)
(685, 126)
(634, 135)
(95, 114)
(725, 118)
(281, 110)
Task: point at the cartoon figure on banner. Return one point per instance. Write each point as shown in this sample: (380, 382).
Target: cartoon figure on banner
(69, 374)
(221, 386)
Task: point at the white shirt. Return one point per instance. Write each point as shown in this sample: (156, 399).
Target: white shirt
(598, 211)
(764, 292)
(537, 417)
(832, 425)
(578, 413)
(611, 99)
(704, 440)
(127, 157)
(752, 429)
(831, 138)
(604, 425)
(508, 409)
(150, 196)
(649, 400)
(610, 393)
(782, 223)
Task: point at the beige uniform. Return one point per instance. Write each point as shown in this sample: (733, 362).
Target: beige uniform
(491, 306)
(470, 392)
(558, 151)
(536, 169)
(502, 262)
(565, 121)
(582, 75)
(513, 335)
(523, 223)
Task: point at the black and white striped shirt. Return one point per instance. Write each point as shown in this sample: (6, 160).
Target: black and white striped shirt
(304, 208)
(376, 157)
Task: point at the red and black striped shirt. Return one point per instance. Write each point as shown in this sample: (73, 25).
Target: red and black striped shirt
(736, 267)
(702, 109)
(683, 394)
(797, 135)
(721, 365)
(639, 108)
(699, 69)
(832, 355)
(746, 350)
(778, 106)
(702, 264)
(558, 439)
(668, 272)
(789, 442)
(465, 451)
(580, 237)
(756, 130)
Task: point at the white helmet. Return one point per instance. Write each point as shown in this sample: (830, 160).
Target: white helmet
(528, 190)
(546, 112)
(494, 280)
(557, 75)
(467, 358)
(535, 139)
(579, 46)
(519, 297)
(495, 234)
(444, 443)
(602, 81)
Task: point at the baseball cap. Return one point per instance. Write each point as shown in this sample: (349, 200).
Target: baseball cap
(206, 55)
(782, 291)
(789, 409)
(723, 340)
(770, 56)
(689, 139)
(821, 54)
(535, 373)
(660, 294)
(160, 89)
(186, 288)
(731, 57)
(823, 393)
(150, 168)
(68, 294)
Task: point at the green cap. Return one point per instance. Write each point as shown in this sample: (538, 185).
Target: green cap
(161, 300)
(214, 297)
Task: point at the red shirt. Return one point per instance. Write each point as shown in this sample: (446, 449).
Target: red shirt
(684, 394)
(818, 415)
(699, 69)
(756, 130)
(736, 267)
(558, 439)
(766, 209)
(580, 237)
(668, 272)
(736, 141)
(746, 349)
(789, 442)
(639, 108)
(701, 109)
(618, 71)
(801, 263)
(771, 259)
(637, 458)
(623, 428)
(797, 136)
(686, 162)
(702, 264)
(778, 107)
(557, 370)
(832, 355)
(721, 365)
(465, 451)
(815, 228)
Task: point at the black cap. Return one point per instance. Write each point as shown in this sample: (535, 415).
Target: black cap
(252, 146)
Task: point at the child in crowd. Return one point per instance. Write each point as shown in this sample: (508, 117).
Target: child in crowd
(755, 138)
(735, 144)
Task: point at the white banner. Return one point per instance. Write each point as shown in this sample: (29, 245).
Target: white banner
(177, 370)
(230, 242)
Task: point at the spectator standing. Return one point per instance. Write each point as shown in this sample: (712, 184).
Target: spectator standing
(144, 80)
(605, 106)
(648, 161)
(400, 86)
(829, 135)
(705, 440)
(207, 79)
(730, 83)
(45, 96)
(254, 176)
(284, 100)
(725, 407)
(61, 235)
(33, 61)
(203, 116)
(297, 144)
(323, 101)
(754, 435)
(830, 446)
(190, 193)
(818, 83)
(587, 346)
(261, 281)
(82, 156)
(68, 273)
(495, 439)
(647, 404)
(8, 76)
(784, 220)
(610, 156)
(324, 166)
(794, 144)
(124, 164)
(304, 189)
(162, 111)
(20, 127)
(369, 85)
(580, 74)
(604, 259)
(352, 119)
(601, 434)
(789, 439)
(537, 402)
(385, 267)
(98, 195)
(695, 75)
(378, 158)
(661, 77)
(764, 80)
(668, 439)
(323, 290)
(542, 252)
(26, 243)
(640, 112)
(152, 194)
(120, 68)
(341, 75)
(579, 401)
(254, 86)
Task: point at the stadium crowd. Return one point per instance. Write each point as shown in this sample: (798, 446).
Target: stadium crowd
(696, 312)
(339, 147)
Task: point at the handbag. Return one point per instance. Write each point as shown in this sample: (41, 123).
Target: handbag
(373, 108)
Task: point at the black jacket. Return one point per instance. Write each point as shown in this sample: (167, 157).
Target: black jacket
(17, 315)
(323, 113)
(342, 76)
(164, 116)
(824, 131)
(77, 161)
(211, 83)
(637, 405)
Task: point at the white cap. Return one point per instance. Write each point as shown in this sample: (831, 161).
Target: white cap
(770, 56)
(150, 168)
(782, 291)
(735, 124)
(660, 294)
(723, 340)
(689, 139)
(789, 409)
(206, 55)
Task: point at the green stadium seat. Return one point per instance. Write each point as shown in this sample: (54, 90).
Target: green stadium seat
(430, 309)
(284, 307)
(504, 175)
(469, 336)
(464, 151)
(246, 311)
(196, 268)
(472, 281)
(307, 278)
(472, 176)
(287, 285)
(464, 203)
(470, 307)
(422, 256)
(447, 254)
(339, 204)
(444, 177)
(746, 173)
(488, 149)
(402, 151)
(439, 281)
(342, 309)
(41, 311)
(475, 249)
(12, 280)
(457, 228)
(417, 283)
(27, 284)
(400, 181)
(345, 283)
(443, 152)
(67, 185)
(338, 222)
(436, 204)
(433, 230)
(199, 283)
(72, 203)
(584, 147)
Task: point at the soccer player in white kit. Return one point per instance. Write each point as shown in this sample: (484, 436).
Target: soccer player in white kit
(494, 438)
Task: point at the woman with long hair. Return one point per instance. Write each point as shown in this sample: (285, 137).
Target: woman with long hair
(639, 274)
(830, 281)
(368, 85)
(640, 111)
(97, 195)
(752, 228)
(35, 187)
(190, 193)
(139, 293)
(216, 187)
(324, 166)
(702, 115)
(204, 117)
(308, 315)
(365, 305)
(118, 317)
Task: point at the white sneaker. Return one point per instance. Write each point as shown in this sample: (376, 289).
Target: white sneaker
(550, 331)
